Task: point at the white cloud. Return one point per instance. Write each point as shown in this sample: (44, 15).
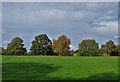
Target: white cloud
(106, 25)
(71, 46)
(5, 41)
(107, 28)
(117, 37)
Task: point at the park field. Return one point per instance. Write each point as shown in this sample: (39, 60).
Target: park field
(59, 68)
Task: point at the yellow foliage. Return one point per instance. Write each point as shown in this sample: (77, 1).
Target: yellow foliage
(104, 54)
(76, 54)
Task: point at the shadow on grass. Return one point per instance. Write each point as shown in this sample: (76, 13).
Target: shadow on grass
(102, 76)
(29, 72)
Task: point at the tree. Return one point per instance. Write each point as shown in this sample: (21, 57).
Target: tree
(61, 45)
(2, 51)
(103, 50)
(117, 50)
(16, 47)
(110, 47)
(88, 48)
(42, 45)
(71, 52)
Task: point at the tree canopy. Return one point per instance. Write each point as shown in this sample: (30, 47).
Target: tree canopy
(117, 50)
(42, 45)
(88, 47)
(61, 45)
(16, 47)
(108, 48)
(2, 51)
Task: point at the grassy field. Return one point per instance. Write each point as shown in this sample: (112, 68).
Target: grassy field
(59, 68)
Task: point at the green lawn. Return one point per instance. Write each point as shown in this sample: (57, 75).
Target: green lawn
(59, 68)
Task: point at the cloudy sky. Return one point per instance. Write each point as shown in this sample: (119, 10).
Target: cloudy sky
(77, 20)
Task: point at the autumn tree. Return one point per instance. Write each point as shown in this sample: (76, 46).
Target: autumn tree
(16, 47)
(42, 45)
(88, 48)
(61, 45)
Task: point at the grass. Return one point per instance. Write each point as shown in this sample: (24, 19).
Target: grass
(59, 68)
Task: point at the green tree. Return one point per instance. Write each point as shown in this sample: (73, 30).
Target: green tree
(110, 47)
(42, 45)
(61, 45)
(71, 52)
(103, 50)
(88, 48)
(117, 50)
(16, 47)
(2, 51)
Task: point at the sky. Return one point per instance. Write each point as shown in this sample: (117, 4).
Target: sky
(77, 20)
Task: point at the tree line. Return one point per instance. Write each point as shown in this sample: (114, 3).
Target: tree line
(42, 45)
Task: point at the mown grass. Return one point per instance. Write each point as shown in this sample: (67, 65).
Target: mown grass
(59, 68)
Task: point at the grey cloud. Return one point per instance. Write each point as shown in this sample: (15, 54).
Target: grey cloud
(73, 19)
